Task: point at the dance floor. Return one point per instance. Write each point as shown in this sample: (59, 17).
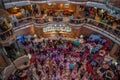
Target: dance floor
(60, 59)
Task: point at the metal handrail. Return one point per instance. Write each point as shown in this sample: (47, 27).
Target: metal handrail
(8, 1)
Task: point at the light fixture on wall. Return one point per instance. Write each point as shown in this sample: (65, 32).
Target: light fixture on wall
(67, 4)
(49, 4)
(81, 36)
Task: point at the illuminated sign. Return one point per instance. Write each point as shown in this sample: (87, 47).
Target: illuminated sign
(56, 29)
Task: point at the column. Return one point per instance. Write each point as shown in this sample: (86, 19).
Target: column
(2, 4)
(4, 54)
(114, 49)
(77, 10)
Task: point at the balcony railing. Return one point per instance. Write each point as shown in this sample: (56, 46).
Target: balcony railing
(104, 27)
(100, 1)
(8, 1)
(5, 35)
(103, 32)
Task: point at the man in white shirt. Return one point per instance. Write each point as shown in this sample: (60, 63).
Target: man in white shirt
(14, 20)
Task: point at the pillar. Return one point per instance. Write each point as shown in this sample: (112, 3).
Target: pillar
(77, 10)
(2, 6)
(114, 50)
(4, 54)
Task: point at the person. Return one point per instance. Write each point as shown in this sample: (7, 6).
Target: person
(9, 24)
(61, 14)
(71, 67)
(36, 10)
(39, 73)
(103, 21)
(79, 64)
(70, 46)
(14, 20)
(111, 22)
(17, 74)
(27, 14)
(43, 11)
(109, 62)
(46, 19)
(74, 75)
(54, 70)
(82, 73)
(23, 12)
(61, 69)
(30, 74)
(71, 18)
(93, 63)
(104, 15)
(47, 71)
(11, 77)
(31, 12)
(35, 65)
(58, 77)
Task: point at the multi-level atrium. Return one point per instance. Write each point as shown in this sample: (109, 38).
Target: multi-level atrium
(59, 39)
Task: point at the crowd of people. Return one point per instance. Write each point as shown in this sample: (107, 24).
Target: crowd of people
(59, 59)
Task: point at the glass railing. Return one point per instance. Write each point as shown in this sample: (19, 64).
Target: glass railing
(7, 1)
(78, 0)
(101, 25)
(100, 1)
(23, 22)
(104, 33)
(20, 63)
(105, 27)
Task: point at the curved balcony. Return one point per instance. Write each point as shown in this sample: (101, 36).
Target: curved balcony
(19, 63)
(6, 34)
(104, 29)
(23, 22)
(77, 23)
